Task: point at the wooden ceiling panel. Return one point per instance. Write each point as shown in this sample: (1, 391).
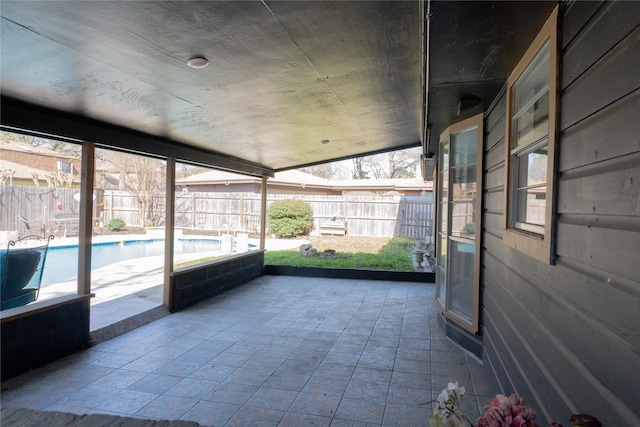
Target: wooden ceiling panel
(266, 96)
(282, 75)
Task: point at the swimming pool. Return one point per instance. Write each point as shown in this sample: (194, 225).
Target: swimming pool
(61, 261)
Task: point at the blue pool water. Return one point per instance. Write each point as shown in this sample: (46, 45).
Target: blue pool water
(61, 263)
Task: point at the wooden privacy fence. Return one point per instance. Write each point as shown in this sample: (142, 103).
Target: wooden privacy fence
(371, 215)
(415, 218)
(38, 205)
(383, 216)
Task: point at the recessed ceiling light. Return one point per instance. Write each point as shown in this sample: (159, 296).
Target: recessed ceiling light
(324, 141)
(198, 62)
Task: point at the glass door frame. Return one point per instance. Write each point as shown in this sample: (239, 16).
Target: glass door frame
(443, 278)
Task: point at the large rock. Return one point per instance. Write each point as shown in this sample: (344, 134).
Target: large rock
(307, 250)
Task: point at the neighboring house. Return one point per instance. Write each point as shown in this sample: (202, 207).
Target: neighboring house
(12, 173)
(297, 182)
(39, 165)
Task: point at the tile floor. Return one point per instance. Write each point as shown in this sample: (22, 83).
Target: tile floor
(279, 351)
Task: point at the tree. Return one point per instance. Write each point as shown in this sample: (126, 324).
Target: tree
(326, 170)
(144, 177)
(359, 167)
(394, 164)
(404, 163)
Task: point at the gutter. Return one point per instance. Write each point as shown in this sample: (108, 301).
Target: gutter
(428, 161)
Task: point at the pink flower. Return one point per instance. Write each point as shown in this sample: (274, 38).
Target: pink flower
(503, 411)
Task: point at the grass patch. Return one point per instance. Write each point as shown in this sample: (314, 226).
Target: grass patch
(395, 256)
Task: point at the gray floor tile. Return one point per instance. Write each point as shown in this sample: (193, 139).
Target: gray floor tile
(192, 388)
(410, 365)
(299, 366)
(366, 390)
(334, 370)
(411, 379)
(88, 396)
(249, 376)
(126, 402)
(210, 413)
(61, 407)
(144, 364)
(329, 386)
(320, 404)
(272, 398)
(405, 416)
(278, 351)
(231, 393)
(231, 359)
(410, 396)
(285, 381)
(120, 378)
(368, 411)
(293, 419)
(155, 383)
(177, 368)
(167, 407)
(377, 376)
(251, 416)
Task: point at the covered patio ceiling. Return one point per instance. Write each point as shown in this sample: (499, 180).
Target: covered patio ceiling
(282, 76)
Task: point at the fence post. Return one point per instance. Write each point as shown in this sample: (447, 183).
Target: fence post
(111, 205)
(241, 214)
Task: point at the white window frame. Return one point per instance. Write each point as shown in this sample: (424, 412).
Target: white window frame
(533, 240)
(63, 164)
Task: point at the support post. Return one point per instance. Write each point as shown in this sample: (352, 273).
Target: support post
(169, 222)
(263, 212)
(85, 230)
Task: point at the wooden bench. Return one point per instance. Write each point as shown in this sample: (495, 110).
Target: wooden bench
(334, 227)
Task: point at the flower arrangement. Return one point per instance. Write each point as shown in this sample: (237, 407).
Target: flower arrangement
(447, 411)
(501, 411)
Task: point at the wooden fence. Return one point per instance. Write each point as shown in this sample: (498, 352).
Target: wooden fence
(38, 205)
(383, 216)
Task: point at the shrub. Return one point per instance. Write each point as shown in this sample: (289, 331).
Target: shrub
(115, 224)
(289, 217)
(403, 242)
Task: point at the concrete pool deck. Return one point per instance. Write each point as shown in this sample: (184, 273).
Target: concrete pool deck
(128, 294)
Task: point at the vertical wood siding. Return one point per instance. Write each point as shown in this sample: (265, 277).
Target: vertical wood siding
(567, 336)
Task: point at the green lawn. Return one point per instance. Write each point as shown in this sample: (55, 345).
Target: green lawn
(395, 255)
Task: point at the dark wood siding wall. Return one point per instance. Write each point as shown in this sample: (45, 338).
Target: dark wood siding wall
(567, 336)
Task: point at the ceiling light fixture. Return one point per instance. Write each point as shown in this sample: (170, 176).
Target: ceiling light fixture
(324, 141)
(198, 62)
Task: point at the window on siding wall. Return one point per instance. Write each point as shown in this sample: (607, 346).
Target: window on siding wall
(65, 167)
(531, 131)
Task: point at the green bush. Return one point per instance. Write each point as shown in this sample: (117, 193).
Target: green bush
(404, 242)
(469, 227)
(289, 217)
(115, 224)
